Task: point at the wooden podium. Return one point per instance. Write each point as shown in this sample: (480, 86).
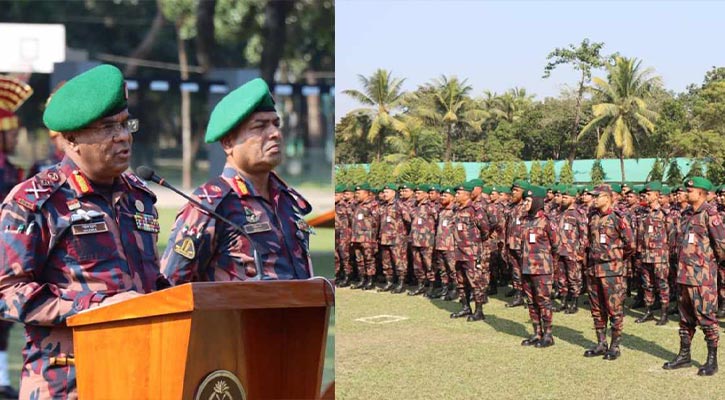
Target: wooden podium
(270, 335)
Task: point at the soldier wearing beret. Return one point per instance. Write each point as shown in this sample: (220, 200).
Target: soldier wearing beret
(444, 253)
(77, 235)
(393, 240)
(13, 94)
(249, 193)
(721, 265)
(513, 240)
(611, 241)
(700, 248)
(572, 231)
(538, 250)
(343, 234)
(422, 237)
(365, 231)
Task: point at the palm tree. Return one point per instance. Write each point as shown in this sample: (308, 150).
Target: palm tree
(621, 108)
(382, 94)
(445, 103)
(511, 105)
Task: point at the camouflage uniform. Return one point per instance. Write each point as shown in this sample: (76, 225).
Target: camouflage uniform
(445, 257)
(393, 239)
(471, 228)
(611, 241)
(343, 234)
(422, 235)
(513, 242)
(67, 245)
(365, 227)
(572, 231)
(537, 266)
(654, 235)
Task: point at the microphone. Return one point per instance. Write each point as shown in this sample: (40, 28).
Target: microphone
(148, 174)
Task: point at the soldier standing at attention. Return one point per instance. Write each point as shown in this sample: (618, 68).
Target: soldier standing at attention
(610, 241)
(701, 246)
(422, 238)
(393, 241)
(444, 254)
(572, 231)
(365, 227)
(653, 239)
(77, 235)
(471, 229)
(513, 240)
(250, 194)
(537, 265)
(343, 234)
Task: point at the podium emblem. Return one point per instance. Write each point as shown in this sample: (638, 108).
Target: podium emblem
(220, 385)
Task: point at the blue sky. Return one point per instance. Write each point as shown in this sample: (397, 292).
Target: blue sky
(499, 45)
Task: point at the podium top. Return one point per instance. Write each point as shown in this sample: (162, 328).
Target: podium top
(213, 296)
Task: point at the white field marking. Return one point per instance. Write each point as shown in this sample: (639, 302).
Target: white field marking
(382, 319)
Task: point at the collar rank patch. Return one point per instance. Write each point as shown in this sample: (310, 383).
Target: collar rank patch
(146, 222)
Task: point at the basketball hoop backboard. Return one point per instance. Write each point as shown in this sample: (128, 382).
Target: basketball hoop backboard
(31, 47)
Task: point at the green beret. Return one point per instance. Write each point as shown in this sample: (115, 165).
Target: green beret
(97, 93)
(504, 189)
(363, 186)
(678, 188)
(654, 186)
(449, 190)
(477, 182)
(390, 186)
(570, 191)
(433, 188)
(535, 191)
(616, 187)
(349, 188)
(698, 182)
(487, 189)
(467, 186)
(406, 186)
(666, 189)
(721, 189)
(339, 188)
(236, 106)
(638, 189)
(520, 183)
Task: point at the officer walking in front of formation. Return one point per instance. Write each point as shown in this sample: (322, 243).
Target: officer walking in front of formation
(700, 248)
(611, 241)
(537, 265)
(78, 235)
(248, 193)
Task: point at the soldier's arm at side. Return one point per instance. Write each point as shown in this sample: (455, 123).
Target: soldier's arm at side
(717, 234)
(188, 247)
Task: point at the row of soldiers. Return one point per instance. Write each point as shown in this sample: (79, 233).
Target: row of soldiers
(607, 239)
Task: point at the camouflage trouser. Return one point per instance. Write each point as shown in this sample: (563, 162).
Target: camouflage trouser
(365, 258)
(342, 258)
(697, 305)
(570, 276)
(446, 264)
(655, 274)
(514, 260)
(721, 282)
(394, 259)
(606, 295)
(422, 262)
(476, 275)
(537, 291)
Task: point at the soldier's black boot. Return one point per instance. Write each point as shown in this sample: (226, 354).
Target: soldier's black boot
(517, 301)
(370, 285)
(444, 293)
(511, 293)
(492, 288)
(601, 347)
(639, 299)
(431, 290)
(563, 305)
(466, 310)
(710, 366)
(721, 312)
(533, 339)
(360, 284)
(613, 352)
(419, 290)
(573, 306)
(478, 314)
(546, 341)
(663, 316)
(344, 282)
(683, 357)
(648, 316)
(451, 292)
(388, 285)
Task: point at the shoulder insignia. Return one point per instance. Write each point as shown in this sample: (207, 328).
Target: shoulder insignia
(212, 192)
(135, 182)
(301, 203)
(32, 193)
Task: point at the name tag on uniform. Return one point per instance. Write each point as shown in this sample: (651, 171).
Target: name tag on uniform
(445, 222)
(359, 217)
(256, 228)
(691, 238)
(602, 238)
(518, 222)
(567, 226)
(87, 229)
(460, 226)
(420, 221)
(532, 238)
(650, 229)
(388, 219)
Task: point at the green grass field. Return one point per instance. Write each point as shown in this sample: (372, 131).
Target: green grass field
(427, 355)
(321, 246)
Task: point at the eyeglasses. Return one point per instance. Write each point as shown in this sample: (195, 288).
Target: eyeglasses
(113, 129)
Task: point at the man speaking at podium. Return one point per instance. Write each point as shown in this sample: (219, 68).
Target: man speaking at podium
(268, 214)
(78, 235)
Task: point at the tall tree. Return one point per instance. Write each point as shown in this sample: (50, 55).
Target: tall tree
(383, 95)
(582, 58)
(548, 173)
(674, 173)
(597, 174)
(621, 108)
(536, 174)
(566, 176)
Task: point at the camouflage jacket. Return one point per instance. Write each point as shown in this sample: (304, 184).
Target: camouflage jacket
(343, 221)
(610, 240)
(701, 246)
(514, 226)
(572, 231)
(202, 248)
(366, 222)
(654, 235)
(539, 245)
(471, 229)
(66, 245)
(10, 175)
(393, 216)
(444, 234)
(423, 220)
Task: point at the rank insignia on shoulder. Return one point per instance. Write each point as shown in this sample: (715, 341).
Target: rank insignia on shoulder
(241, 186)
(256, 228)
(25, 203)
(185, 248)
(146, 222)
